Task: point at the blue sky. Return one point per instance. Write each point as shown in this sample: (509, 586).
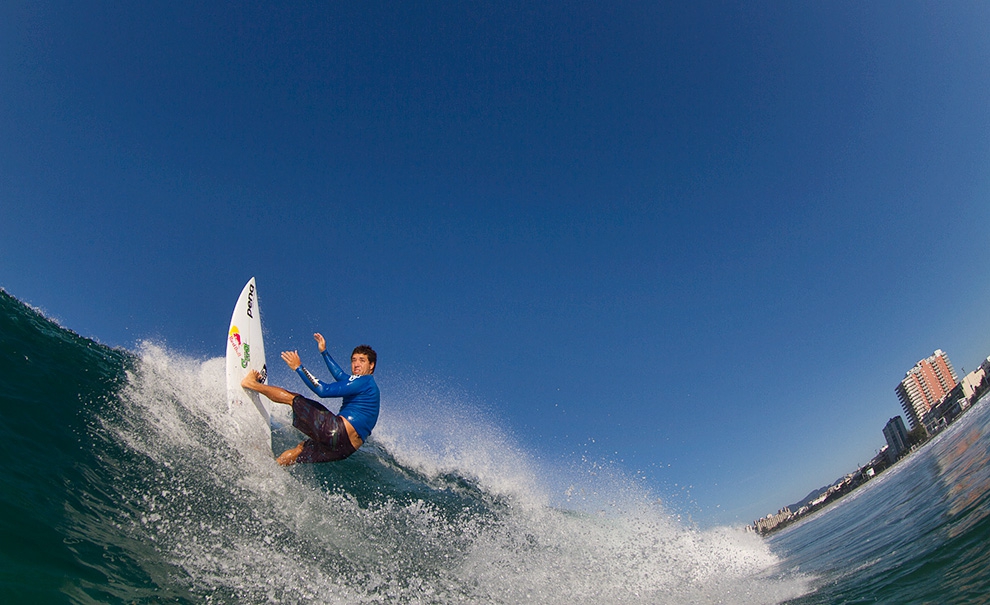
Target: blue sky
(703, 242)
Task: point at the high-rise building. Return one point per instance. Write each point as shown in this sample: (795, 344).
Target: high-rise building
(897, 438)
(925, 385)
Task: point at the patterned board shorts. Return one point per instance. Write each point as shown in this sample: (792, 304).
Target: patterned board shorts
(328, 439)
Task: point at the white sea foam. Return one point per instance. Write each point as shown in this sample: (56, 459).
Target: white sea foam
(234, 527)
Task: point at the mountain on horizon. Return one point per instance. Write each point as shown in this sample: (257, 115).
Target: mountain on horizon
(807, 499)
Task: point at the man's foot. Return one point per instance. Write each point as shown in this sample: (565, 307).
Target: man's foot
(288, 457)
(251, 380)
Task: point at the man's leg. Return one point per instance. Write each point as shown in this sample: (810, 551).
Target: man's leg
(276, 394)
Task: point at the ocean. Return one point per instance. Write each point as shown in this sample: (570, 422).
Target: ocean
(123, 481)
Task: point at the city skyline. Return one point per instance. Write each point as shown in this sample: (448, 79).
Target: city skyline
(956, 398)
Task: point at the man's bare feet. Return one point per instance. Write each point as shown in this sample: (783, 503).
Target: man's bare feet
(251, 380)
(288, 457)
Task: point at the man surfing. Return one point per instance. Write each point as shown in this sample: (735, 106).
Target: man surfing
(332, 436)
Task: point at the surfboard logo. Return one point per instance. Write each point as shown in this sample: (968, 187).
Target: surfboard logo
(240, 347)
(234, 338)
(250, 301)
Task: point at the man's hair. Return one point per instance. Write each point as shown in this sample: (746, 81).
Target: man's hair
(366, 350)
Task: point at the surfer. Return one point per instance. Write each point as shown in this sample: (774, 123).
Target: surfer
(331, 436)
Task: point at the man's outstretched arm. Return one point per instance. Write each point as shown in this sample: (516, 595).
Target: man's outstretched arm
(291, 359)
(335, 370)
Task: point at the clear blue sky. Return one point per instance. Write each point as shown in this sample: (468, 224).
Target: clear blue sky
(712, 238)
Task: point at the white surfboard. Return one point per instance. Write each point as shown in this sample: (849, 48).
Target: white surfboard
(246, 351)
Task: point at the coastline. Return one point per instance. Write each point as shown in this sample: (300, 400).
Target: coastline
(821, 499)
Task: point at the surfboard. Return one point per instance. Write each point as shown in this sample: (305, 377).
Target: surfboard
(246, 351)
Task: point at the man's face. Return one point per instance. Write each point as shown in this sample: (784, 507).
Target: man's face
(360, 365)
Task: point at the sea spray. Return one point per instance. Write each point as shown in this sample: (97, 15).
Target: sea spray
(457, 512)
(437, 431)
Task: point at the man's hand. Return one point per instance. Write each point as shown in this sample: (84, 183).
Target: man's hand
(291, 358)
(320, 342)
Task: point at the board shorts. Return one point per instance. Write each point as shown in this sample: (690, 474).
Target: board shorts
(328, 439)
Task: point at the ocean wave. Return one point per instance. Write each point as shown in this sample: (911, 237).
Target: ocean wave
(165, 502)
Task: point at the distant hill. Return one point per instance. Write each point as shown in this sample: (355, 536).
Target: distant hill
(807, 499)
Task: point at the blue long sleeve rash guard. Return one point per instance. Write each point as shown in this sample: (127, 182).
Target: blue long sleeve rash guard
(361, 398)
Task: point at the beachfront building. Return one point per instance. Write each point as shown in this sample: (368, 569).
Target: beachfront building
(925, 385)
(770, 522)
(897, 439)
(975, 383)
